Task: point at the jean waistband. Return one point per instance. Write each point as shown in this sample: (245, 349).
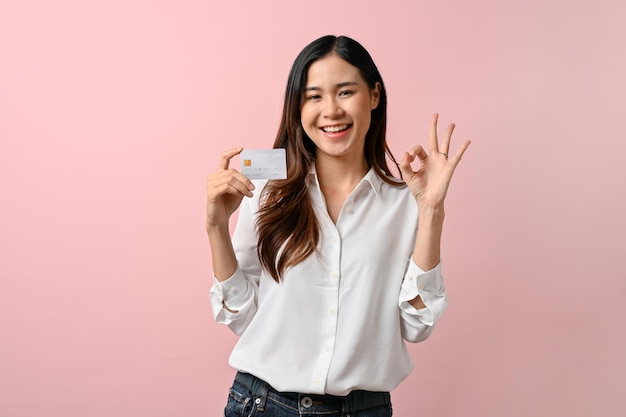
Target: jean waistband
(354, 401)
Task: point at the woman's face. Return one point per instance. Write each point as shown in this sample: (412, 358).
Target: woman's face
(336, 108)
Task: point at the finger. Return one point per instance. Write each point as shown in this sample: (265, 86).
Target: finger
(432, 136)
(445, 142)
(419, 152)
(454, 160)
(405, 165)
(227, 156)
(229, 181)
(216, 189)
(241, 178)
(238, 188)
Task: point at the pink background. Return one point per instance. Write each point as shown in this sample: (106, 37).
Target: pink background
(113, 113)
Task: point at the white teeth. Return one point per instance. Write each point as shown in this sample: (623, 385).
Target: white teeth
(333, 129)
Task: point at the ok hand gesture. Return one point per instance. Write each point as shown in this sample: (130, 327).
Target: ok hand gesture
(429, 183)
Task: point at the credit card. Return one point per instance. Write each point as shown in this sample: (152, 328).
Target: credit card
(264, 164)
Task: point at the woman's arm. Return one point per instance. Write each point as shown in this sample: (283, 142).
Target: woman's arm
(225, 190)
(429, 184)
(234, 292)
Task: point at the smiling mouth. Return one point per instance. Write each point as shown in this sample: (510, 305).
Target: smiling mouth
(335, 129)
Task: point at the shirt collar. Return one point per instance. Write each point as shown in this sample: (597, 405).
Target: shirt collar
(371, 178)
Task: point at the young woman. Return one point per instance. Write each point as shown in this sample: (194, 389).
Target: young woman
(329, 271)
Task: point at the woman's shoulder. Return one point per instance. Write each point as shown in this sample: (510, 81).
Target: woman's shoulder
(393, 183)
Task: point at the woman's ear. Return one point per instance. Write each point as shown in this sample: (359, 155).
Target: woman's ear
(375, 96)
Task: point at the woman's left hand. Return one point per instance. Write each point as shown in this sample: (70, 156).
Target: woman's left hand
(429, 184)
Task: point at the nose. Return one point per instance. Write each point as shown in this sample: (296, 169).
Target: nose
(331, 108)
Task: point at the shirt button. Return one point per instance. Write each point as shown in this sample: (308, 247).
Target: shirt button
(331, 311)
(233, 290)
(327, 348)
(306, 402)
(410, 277)
(349, 209)
(333, 275)
(421, 286)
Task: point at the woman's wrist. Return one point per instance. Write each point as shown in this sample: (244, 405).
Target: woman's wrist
(223, 257)
(217, 229)
(427, 250)
(430, 215)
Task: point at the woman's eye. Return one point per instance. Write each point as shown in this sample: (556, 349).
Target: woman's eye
(345, 93)
(313, 97)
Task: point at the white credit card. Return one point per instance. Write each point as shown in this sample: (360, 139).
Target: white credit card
(264, 164)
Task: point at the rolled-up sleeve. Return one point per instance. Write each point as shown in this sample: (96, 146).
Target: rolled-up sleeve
(233, 301)
(417, 324)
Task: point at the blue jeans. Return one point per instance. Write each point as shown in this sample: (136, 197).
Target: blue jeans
(250, 396)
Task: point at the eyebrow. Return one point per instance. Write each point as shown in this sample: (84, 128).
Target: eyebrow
(340, 85)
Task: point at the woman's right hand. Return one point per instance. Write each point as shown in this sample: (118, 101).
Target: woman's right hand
(226, 187)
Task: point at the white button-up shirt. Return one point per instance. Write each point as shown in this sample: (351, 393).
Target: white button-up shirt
(337, 321)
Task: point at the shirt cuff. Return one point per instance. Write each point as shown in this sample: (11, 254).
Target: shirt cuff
(429, 286)
(232, 292)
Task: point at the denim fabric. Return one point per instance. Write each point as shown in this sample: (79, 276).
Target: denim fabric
(250, 396)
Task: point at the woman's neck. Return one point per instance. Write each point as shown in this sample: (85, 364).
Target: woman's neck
(340, 174)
